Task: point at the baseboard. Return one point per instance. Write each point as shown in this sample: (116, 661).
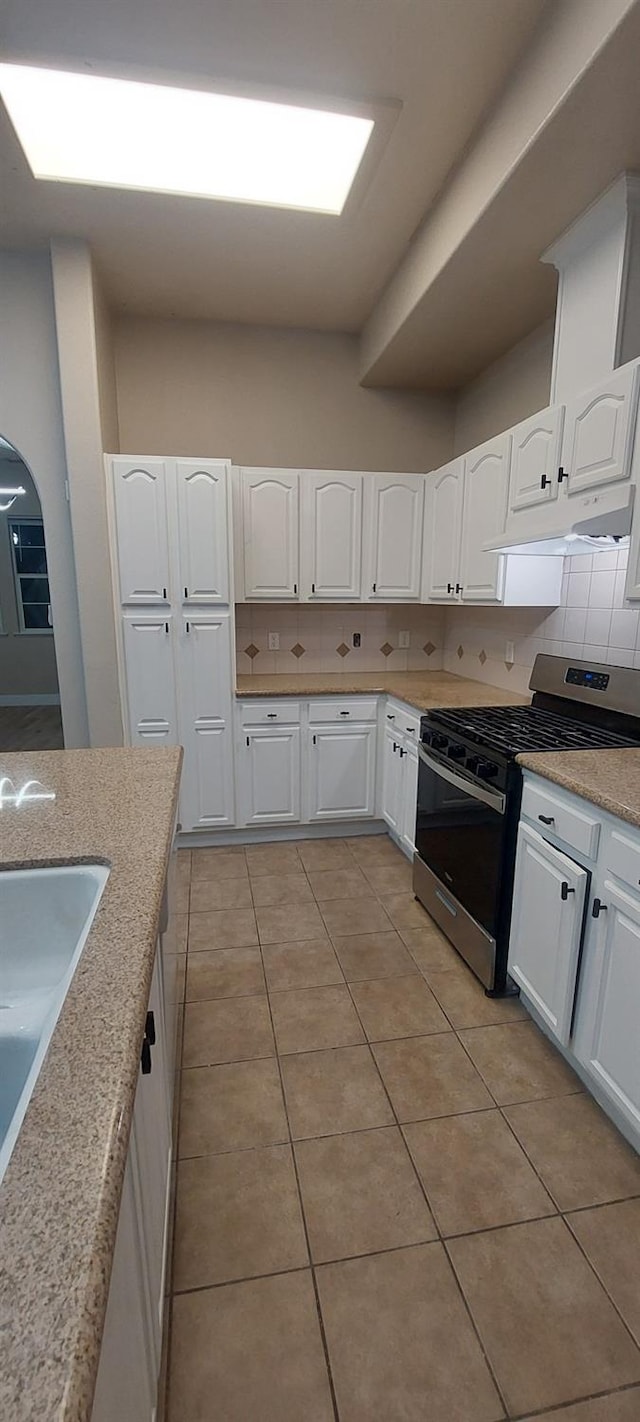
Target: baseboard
(269, 834)
(33, 698)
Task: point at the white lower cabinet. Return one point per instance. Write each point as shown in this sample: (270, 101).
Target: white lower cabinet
(574, 947)
(341, 771)
(546, 926)
(269, 775)
(607, 1037)
(391, 778)
(127, 1381)
(400, 776)
(205, 720)
(409, 800)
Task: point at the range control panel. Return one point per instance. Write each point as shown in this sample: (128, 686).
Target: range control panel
(583, 676)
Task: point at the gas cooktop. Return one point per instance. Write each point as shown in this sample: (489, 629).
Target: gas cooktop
(510, 730)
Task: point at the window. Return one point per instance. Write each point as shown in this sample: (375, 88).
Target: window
(30, 574)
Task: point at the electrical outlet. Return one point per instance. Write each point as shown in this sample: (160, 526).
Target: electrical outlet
(404, 641)
(357, 640)
(509, 652)
(274, 641)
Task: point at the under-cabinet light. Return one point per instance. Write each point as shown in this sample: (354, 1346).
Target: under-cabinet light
(85, 128)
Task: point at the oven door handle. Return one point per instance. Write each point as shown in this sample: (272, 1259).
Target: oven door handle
(494, 798)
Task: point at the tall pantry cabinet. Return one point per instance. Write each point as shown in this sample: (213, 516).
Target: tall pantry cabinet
(170, 530)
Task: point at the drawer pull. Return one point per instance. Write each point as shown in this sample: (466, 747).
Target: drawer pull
(344, 713)
(272, 715)
(546, 819)
(390, 718)
(598, 908)
(565, 890)
(145, 1057)
(150, 1029)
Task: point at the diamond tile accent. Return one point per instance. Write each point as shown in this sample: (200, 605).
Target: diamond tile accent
(386, 649)
(460, 651)
(343, 650)
(298, 651)
(482, 657)
(429, 647)
(251, 650)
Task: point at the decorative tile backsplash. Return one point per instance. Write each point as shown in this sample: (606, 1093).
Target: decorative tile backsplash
(593, 622)
(317, 638)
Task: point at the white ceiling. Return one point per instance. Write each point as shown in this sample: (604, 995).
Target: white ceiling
(445, 61)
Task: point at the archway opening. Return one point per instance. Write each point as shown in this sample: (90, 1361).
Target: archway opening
(30, 716)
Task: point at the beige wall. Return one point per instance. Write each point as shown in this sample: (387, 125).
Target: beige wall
(260, 395)
(105, 368)
(506, 392)
(27, 660)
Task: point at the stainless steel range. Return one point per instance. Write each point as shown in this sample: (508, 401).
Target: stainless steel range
(469, 791)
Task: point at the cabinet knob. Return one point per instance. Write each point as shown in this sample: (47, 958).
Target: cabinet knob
(186, 592)
(565, 890)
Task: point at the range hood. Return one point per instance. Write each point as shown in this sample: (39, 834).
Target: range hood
(597, 329)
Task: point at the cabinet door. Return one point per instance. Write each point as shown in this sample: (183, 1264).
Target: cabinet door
(391, 781)
(598, 436)
(486, 478)
(394, 535)
(140, 501)
(269, 780)
(204, 679)
(270, 518)
(202, 531)
(126, 1382)
(607, 1038)
(148, 656)
(150, 1148)
(546, 928)
(342, 775)
(442, 527)
(535, 459)
(409, 788)
(331, 534)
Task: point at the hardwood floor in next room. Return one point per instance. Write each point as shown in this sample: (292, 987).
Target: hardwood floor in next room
(395, 1203)
(30, 728)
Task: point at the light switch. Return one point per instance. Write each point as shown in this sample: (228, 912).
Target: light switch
(404, 640)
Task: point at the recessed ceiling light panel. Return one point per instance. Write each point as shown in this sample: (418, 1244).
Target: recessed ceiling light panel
(82, 128)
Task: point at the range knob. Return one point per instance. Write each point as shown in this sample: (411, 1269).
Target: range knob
(438, 742)
(456, 752)
(487, 770)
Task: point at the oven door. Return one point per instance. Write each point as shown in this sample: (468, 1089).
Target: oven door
(460, 837)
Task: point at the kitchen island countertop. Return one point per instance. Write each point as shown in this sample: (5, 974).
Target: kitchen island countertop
(60, 1197)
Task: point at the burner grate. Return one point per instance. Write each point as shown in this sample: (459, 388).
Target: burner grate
(513, 729)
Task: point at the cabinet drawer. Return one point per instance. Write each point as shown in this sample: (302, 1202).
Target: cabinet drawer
(270, 713)
(343, 709)
(622, 858)
(402, 721)
(571, 823)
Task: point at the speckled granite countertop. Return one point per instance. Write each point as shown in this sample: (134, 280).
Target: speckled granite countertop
(60, 1196)
(424, 690)
(608, 778)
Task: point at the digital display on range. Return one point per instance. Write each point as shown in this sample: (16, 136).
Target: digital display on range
(595, 680)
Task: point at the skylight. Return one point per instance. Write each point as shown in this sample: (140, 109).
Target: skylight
(81, 128)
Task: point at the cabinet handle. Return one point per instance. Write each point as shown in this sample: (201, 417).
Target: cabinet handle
(544, 482)
(546, 819)
(394, 747)
(188, 626)
(186, 592)
(458, 587)
(402, 752)
(150, 1029)
(565, 890)
(562, 474)
(598, 908)
(164, 594)
(248, 741)
(166, 627)
(375, 586)
(314, 740)
(295, 589)
(390, 718)
(344, 713)
(145, 1058)
(313, 587)
(449, 587)
(272, 715)
(409, 730)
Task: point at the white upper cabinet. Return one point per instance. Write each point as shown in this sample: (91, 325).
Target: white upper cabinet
(331, 534)
(202, 531)
(393, 537)
(204, 677)
(140, 495)
(442, 527)
(270, 520)
(546, 927)
(149, 666)
(486, 478)
(598, 433)
(535, 459)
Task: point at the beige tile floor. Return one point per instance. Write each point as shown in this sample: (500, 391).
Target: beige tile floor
(394, 1201)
